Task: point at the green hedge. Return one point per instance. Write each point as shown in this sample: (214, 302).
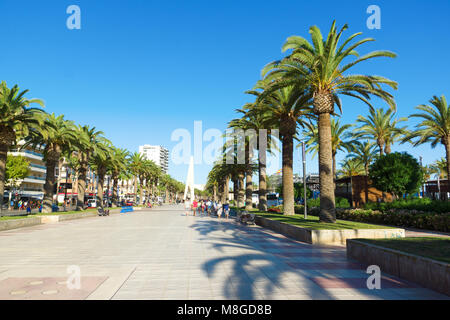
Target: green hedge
(340, 203)
(401, 218)
(419, 204)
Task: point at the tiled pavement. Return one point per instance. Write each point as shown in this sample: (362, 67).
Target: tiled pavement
(163, 254)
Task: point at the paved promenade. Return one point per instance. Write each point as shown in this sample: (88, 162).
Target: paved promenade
(163, 254)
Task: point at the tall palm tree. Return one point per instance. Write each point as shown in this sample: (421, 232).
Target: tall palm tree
(88, 140)
(57, 136)
(102, 162)
(17, 117)
(288, 107)
(364, 153)
(137, 164)
(338, 134)
(381, 127)
(435, 127)
(321, 66)
(118, 165)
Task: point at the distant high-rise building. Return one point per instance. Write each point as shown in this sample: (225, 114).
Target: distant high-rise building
(158, 154)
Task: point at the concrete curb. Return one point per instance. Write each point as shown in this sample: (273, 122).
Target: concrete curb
(19, 223)
(64, 217)
(334, 237)
(424, 271)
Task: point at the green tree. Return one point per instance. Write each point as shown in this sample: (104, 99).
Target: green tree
(17, 169)
(364, 153)
(289, 107)
(17, 117)
(57, 136)
(339, 139)
(323, 66)
(396, 173)
(381, 127)
(435, 127)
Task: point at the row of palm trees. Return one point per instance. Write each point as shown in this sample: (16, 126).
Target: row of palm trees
(300, 91)
(83, 147)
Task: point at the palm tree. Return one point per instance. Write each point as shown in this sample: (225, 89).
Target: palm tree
(288, 107)
(338, 133)
(137, 164)
(380, 126)
(434, 128)
(102, 162)
(88, 140)
(321, 67)
(364, 153)
(17, 117)
(118, 166)
(57, 136)
(349, 169)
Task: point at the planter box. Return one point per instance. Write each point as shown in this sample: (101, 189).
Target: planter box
(335, 237)
(65, 217)
(426, 272)
(19, 223)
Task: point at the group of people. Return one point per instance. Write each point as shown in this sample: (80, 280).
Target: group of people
(27, 205)
(208, 207)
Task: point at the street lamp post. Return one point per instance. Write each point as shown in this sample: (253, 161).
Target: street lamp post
(423, 188)
(304, 180)
(65, 188)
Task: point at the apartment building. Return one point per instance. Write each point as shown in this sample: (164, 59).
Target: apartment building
(158, 154)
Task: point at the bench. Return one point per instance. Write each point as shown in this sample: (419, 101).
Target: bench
(103, 212)
(126, 209)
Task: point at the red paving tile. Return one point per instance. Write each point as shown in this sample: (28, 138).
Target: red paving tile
(47, 288)
(360, 283)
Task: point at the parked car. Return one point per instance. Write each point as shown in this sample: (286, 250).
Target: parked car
(92, 203)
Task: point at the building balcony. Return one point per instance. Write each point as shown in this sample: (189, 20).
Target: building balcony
(27, 154)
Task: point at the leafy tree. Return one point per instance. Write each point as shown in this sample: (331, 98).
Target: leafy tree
(17, 168)
(396, 173)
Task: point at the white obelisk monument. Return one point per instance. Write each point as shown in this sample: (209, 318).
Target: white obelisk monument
(190, 181)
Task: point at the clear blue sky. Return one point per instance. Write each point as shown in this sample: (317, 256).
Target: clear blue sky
(140, 69)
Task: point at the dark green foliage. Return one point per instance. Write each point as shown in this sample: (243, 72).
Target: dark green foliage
(396, 173)
(419, 204)
(405, 218)
(340, 203)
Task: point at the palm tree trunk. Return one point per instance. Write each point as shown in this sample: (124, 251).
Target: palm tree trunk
(81, 186)
(387, 148)
(49, 183)
(100, 184)
(135, 190)
(3, 157)
(226, 190)
(447, 155)
(327, 199)
(288, 177)
(262, 155)
(236, 190)
(241, 190)
(366, 184)
(248, 181)
(141, 195)
(115, 198)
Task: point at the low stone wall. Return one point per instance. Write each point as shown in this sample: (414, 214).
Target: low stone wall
(64, 217)
(335, 237)
(19, 223)
(426, 272)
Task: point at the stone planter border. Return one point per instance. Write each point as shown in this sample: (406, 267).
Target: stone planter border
(19, 223)
(426, 272)
(334, 237)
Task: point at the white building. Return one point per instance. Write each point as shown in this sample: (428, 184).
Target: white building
(33, 185)
(158, 154)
